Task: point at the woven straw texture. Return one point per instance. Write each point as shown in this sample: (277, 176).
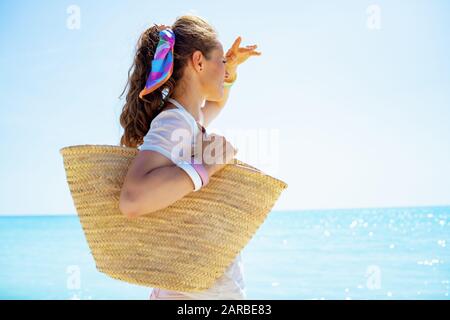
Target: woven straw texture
(184, 247)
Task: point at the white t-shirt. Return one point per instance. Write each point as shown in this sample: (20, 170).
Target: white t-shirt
(163, 137)
(170, 134)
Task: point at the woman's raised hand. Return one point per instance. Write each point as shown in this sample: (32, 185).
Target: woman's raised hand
(237, 55)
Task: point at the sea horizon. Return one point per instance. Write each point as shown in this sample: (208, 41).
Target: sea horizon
(272, 211)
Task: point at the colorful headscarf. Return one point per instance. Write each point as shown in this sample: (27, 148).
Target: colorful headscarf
(162, 63)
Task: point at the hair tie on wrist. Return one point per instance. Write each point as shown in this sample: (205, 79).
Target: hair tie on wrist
(229, 84)
(192, 173)
(201, 170)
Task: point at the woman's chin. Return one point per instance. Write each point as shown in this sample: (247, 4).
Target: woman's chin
(220, 94)
(215, 98)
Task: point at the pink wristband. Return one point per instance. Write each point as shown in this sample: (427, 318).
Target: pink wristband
(201, 171)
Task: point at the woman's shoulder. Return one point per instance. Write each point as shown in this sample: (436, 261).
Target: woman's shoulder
(165, 125)
(169, 116)
(168, 113)
(165, 132)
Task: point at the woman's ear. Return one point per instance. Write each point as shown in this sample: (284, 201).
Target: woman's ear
(197, 60)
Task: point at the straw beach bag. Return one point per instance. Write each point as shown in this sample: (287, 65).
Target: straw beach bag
(184, 247)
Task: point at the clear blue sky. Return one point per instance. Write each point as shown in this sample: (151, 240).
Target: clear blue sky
(363, 115)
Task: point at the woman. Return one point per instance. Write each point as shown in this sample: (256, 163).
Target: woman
(178, 83)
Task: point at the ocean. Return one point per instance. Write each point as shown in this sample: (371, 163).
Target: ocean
(359, 254)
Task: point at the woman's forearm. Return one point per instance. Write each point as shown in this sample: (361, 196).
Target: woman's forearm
(211, 109)
(158, 189)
